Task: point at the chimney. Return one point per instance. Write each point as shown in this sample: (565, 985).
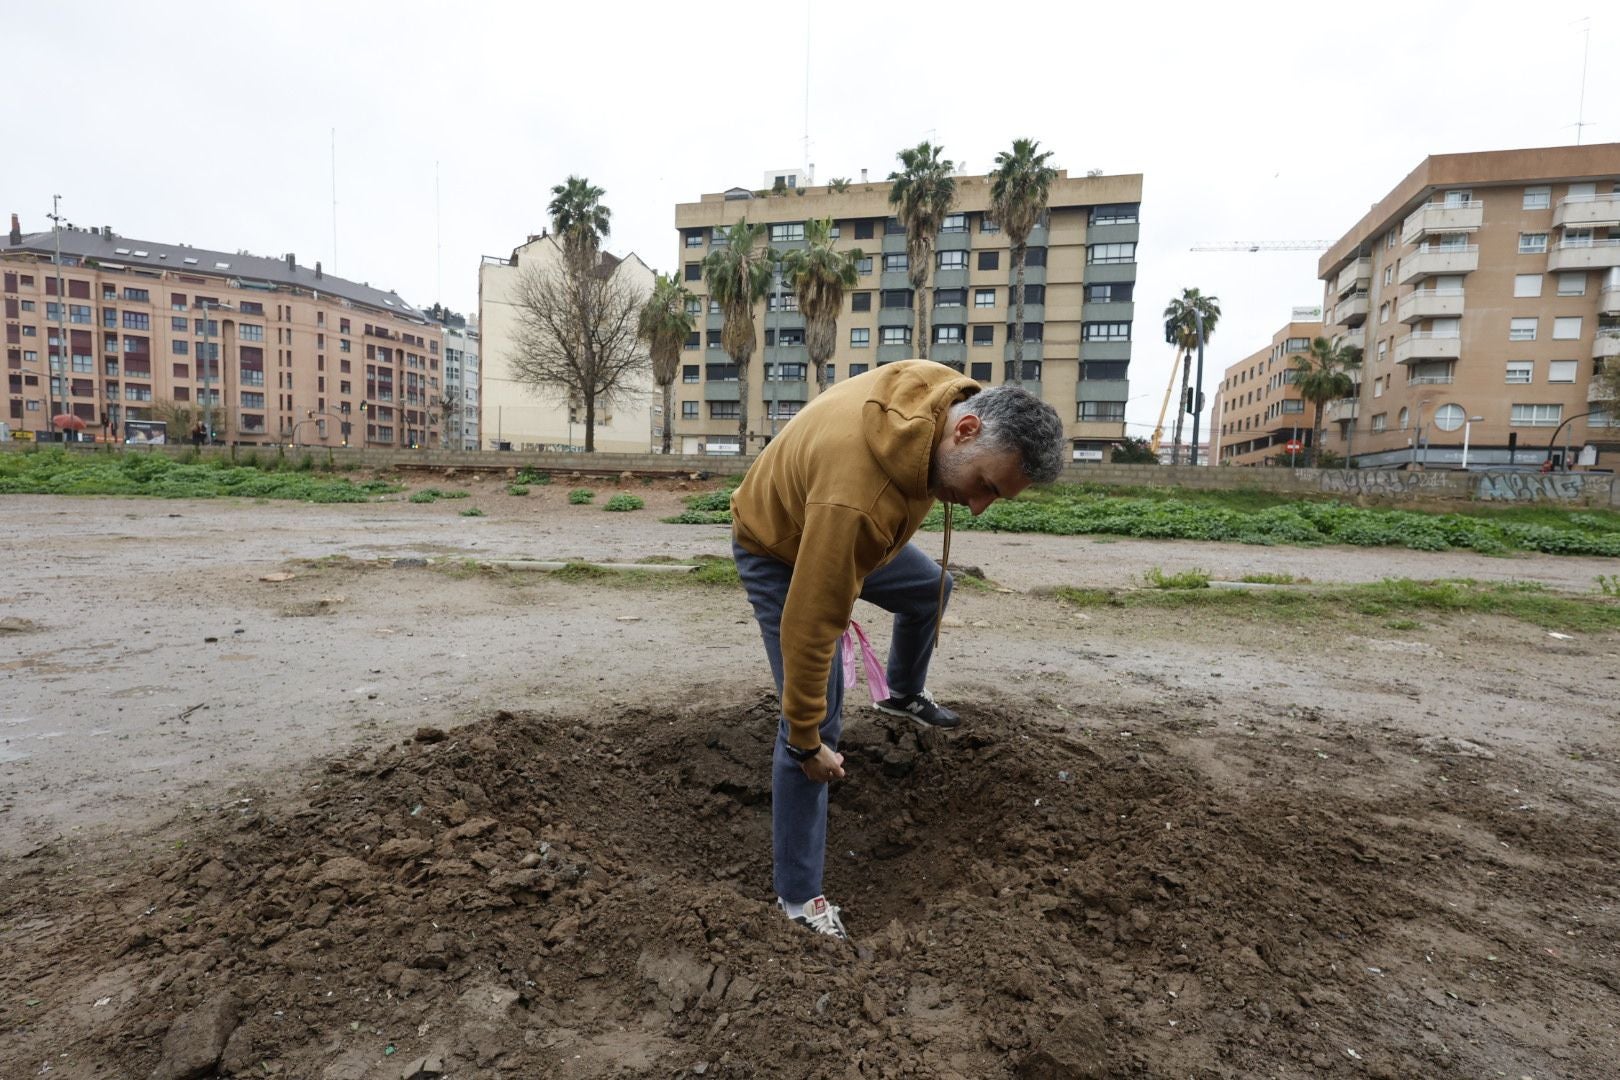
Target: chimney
(317, 269)
(16, 230)
(863, 176)
(106, 231)
(292, 262)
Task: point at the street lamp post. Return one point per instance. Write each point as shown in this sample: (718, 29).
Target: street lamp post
(1467, 425)
(53, 358)
(206, 362)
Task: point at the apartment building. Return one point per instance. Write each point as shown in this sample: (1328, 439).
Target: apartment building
(459, 413)
(1258, 408)
(273, 352)
(1079, 305)
(520, 415)
(1485, 291)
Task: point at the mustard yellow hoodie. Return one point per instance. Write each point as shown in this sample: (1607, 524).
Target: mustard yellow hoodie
(836, 495)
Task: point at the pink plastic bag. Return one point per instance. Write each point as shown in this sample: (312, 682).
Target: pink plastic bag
(877, 679)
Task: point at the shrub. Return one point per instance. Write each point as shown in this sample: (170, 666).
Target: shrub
(533, 476)
(472, 511)
(1187, 579)
(622, 501)
(516, 489)
(580, 496)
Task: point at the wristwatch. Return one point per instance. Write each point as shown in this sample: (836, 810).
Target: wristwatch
(801, 756)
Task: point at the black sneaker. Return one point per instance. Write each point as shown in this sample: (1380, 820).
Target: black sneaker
(921, 707)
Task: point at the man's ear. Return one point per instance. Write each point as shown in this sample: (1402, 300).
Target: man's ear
(968, 428)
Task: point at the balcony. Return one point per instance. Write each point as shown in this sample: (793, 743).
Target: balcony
(1430, 304)
(1428, 346)
(1443, 218)
(1584, 254)
(1596, 394)
(1352, 311)
(1342, 409)
(1355, 336)
(1429, 261)
(1357, 272)
(1584, 211)
(1606, 343)
(1609, 299)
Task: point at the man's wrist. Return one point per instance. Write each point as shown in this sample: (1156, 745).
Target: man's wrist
(801, 755)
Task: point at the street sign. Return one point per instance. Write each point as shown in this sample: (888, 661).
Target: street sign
(1293, 446)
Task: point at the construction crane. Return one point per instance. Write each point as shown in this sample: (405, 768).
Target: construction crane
(1265, 245)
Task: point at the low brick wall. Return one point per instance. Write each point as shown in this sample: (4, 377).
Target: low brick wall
(1355, 485)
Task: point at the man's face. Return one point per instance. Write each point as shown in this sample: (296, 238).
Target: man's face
(969, 475)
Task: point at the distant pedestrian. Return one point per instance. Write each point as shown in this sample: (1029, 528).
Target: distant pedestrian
(199, 432)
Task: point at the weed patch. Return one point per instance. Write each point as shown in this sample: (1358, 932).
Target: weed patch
(516, 489)
(1187, 579)
(54, 471)
(580, 496)
(622, 502)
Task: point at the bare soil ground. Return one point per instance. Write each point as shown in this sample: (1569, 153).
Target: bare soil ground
(382, 819)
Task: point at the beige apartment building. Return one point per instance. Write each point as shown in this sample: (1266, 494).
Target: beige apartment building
(518, 415)
(1079, 305)
(1258, 408)
(1485, 291)
(274, 352)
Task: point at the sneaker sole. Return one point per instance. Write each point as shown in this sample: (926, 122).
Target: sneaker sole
(913, 716)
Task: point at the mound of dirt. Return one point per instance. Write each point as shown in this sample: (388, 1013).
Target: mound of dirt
(530, 897)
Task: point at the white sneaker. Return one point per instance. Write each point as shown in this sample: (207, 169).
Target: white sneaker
(816, 915)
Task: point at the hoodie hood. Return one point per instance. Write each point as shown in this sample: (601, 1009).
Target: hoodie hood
(904, 417)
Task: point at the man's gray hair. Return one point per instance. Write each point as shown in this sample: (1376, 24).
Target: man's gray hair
(1015, 419)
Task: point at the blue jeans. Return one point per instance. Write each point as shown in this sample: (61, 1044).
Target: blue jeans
(908, 586)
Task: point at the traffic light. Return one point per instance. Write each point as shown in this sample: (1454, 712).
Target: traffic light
(362, 406)
(1194, 401)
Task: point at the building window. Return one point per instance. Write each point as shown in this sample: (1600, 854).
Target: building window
(1118, 292)
(178, 346)
(1103, 253)
(1522, 329)
(859, 369)
(1116, 214)
(896, 335)
(787, 231)
(1526, 284)
(714, 339)
(1533, 243)
(694, 306)
(694, 271)
(1105, 370)
(689, 373)
(252, 400)
(1537, 198)
(249, 332)
(1296, 344)
(989, 260)
(954, 223)
(896, 261)
(1033, 331)
(724, 410)
(984, 298)
(953, 260)
(1105, 331)
(950, 298)
(1380, 421)
(1033, 294)
(864, 265)
(694, 238)
(861, 301)
(1567, 328)
(860, 337)
(81, 313)
(830, 373)
(984, 335)
(988, 224)
(1572, 283)
(1036, 256)
(1520, 371)
(948, 335)
(896, 298)
(863, 229)
(1536, 415)
(714, 306)
(1561, 371)
(689, 410)
(980, 372)
(1101, 410)
(139, 296)
(790, 336)
(893, 227)
(721, 373)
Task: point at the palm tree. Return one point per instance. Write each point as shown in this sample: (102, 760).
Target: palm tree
(1018, 188)
(1181, 330)
(818, 274)
(664, 325)
(838, 185)
(738, 278)
(580, 219)
(1322, 374)
(922, 194)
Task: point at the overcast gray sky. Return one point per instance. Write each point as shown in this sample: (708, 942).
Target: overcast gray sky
(211, 123)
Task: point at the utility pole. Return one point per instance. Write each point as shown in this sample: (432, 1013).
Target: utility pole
(52, 357)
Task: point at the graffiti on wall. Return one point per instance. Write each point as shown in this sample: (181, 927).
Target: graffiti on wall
(1537, 487)
(1383, 483)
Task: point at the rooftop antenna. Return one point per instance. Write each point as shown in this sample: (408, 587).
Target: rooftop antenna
(334, 201)
(438, 241)
(807, 23)
(1586, 49)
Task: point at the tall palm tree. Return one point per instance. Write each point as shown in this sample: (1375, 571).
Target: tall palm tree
(1181, 330)
(1322, 374)
(580, 219)
(922, 193)
(738, 278)
(819, 274)
(664, 325)
(1018, 189)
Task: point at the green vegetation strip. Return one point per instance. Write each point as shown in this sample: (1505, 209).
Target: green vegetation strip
(54, 471)
(1388, 599)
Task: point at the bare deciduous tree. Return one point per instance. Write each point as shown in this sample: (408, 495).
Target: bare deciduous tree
(577, 338)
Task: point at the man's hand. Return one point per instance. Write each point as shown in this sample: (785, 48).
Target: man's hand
(827, 765)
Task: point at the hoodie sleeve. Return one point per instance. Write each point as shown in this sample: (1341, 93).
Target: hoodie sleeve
(840, 545)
